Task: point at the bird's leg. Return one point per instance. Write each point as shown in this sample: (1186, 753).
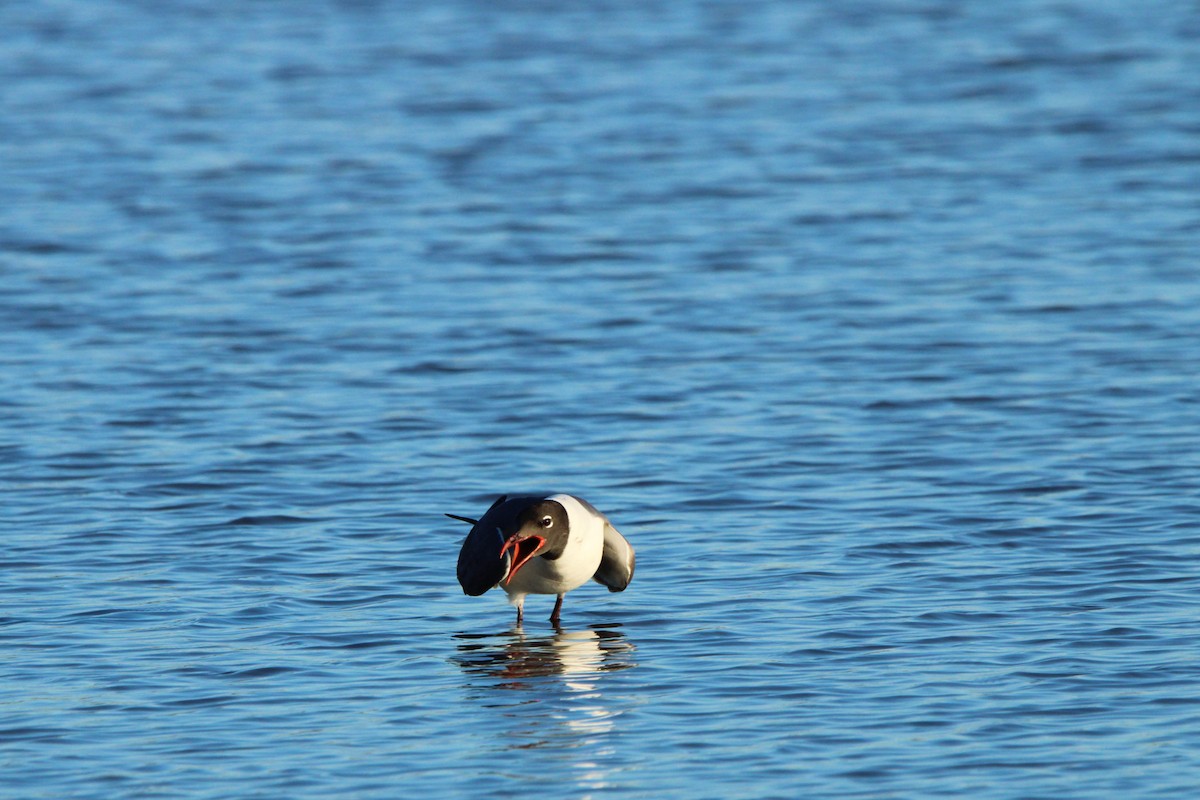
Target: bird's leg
(557, 608)
(520, 610)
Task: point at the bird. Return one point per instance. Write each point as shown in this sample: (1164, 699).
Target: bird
(542, 544)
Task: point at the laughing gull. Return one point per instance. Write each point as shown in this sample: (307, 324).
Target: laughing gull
(542, 544)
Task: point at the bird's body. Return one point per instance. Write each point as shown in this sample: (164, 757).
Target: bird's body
(543, 544)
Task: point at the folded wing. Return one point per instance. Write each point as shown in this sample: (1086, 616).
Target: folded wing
(617, 561)
(480, 564)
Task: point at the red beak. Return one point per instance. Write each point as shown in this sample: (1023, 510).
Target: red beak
(521, 554)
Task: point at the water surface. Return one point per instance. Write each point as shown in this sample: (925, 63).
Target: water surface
(874, 327)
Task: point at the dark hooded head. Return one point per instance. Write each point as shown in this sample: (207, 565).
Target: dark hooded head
(541, 530)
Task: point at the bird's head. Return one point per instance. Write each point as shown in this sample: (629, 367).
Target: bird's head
(541, 530)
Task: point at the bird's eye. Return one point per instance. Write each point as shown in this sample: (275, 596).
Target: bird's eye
(547, 522)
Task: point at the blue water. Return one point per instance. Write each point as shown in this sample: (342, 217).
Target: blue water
(875, 327)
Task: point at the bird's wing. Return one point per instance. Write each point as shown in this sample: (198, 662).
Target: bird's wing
(617, 561)
(480, 564)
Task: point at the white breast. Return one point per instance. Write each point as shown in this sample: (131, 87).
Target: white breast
(577, 564)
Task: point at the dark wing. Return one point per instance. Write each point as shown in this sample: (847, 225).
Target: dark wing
(617, 561)
(480, 565)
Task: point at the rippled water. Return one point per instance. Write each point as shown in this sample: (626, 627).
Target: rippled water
(874, 326)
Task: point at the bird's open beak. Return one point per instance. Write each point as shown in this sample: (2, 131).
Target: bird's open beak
(523, 549)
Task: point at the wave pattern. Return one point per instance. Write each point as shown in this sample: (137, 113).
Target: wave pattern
(873, 325)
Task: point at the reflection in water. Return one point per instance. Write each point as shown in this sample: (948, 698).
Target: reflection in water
(514, 657)
(565, 672)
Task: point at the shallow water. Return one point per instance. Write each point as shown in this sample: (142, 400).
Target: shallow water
(874, 328)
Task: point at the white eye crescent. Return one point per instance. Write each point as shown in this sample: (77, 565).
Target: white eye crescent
(547, 522)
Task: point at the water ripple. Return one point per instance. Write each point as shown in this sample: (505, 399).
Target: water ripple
(872, 325)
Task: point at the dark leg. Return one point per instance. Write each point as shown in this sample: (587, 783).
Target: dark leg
(520, 611)
(557, 608)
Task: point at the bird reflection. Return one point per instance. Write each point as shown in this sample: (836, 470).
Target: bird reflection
(546, 693)
(516, 660)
